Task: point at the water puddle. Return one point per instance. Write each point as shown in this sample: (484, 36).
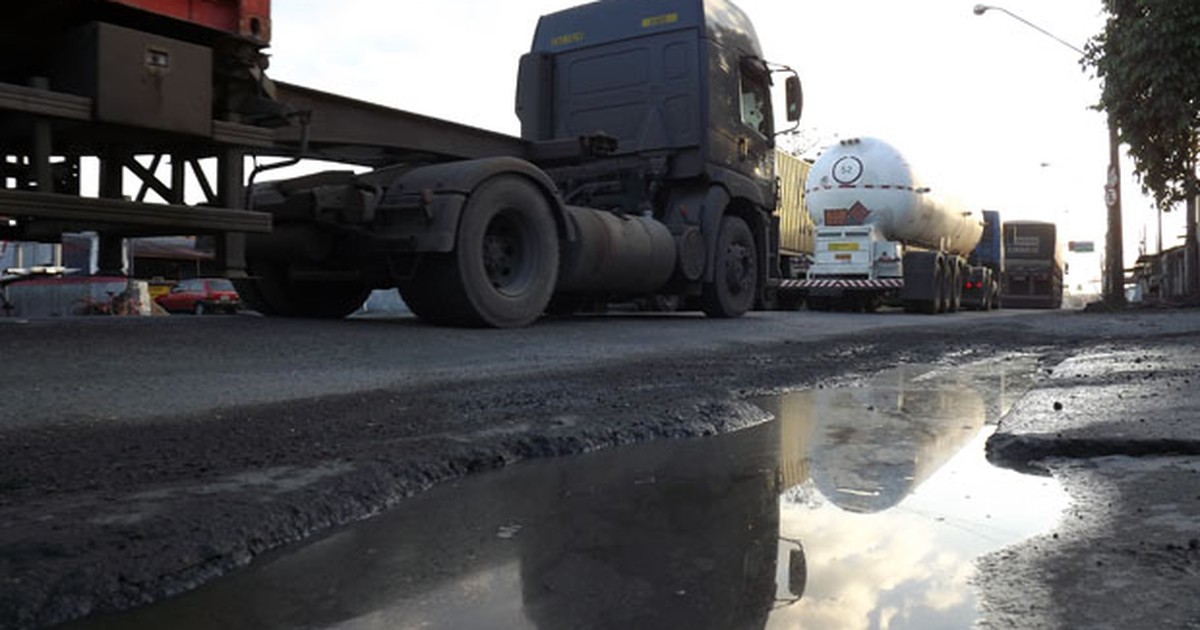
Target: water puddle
(862, 507)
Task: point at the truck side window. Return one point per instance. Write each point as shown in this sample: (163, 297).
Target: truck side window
(755, 100)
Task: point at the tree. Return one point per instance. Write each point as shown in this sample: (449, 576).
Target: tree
(1148, 58)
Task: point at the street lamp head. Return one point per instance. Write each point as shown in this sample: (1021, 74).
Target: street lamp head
(980, 9)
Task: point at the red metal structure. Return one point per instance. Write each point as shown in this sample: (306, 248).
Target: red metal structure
(248, 18)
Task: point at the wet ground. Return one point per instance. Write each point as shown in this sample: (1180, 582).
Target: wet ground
(860, 506)
(217, 442)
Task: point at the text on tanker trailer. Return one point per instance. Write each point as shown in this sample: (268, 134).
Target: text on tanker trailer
(883, 236)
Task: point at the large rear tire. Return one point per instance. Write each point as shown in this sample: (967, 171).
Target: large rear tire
(504, 267)
(735, 281)
(271, 292)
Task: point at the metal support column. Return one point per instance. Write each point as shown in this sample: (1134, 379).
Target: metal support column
(110, 255)
(41, 149)
(178, 179)
(231, 193)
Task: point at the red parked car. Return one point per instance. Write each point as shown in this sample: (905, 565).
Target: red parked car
(200, 296)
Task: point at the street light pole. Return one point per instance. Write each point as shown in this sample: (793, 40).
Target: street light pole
(1114, 285)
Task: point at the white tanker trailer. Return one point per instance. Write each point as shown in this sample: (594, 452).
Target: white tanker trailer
(883, 236)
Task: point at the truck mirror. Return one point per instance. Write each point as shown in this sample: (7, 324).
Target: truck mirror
(797, 572)
(795, 98)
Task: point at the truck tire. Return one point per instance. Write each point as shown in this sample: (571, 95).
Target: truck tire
(504, 267)
(938, 303)
(735, 281)
(954, 287)
(271, 292)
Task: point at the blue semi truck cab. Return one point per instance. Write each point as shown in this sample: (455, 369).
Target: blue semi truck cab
(983, 283)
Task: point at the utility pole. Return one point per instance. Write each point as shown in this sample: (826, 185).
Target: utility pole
(1191, 250)
(1114, 248)
(1114, 288)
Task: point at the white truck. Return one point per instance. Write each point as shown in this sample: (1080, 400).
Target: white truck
(883, 236)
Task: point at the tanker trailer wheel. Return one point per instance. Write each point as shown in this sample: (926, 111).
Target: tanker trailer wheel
(504, 267)
(271, 292)
(735, 281)
(960, 274)
(954, 287)
(937, 303)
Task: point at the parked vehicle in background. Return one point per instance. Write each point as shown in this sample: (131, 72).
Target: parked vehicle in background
(1033, 275)
(797, 230)
(882, 235)
(200, 296)
(981, 290)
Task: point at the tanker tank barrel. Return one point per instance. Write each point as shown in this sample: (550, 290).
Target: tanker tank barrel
(862, 181)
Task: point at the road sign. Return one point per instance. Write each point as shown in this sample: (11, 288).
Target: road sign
(1110, 189)
(1110, 196)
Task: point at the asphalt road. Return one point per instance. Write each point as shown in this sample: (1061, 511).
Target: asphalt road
(146, 456)
(128, 369)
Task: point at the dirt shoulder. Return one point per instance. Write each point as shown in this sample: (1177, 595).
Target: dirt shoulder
(101, 518)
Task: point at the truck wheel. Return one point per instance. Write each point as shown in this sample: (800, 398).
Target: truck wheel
(937, 303)
(953, 289)
(271, 292)
(735, 281)
(504, 267)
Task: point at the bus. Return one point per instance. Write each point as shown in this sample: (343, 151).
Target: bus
(1033, 273)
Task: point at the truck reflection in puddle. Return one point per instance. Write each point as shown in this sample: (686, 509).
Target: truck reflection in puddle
(861, 507)
(888, 494)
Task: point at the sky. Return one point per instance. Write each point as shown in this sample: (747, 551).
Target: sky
(985, 107)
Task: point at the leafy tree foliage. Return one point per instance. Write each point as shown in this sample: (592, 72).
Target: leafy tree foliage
(1148, 58)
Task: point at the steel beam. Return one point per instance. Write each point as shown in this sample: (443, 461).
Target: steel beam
(145, 218)
(43, 102)
(341, 128)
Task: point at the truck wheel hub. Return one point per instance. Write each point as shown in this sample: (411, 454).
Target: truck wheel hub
(504, 258)
(737, 268)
